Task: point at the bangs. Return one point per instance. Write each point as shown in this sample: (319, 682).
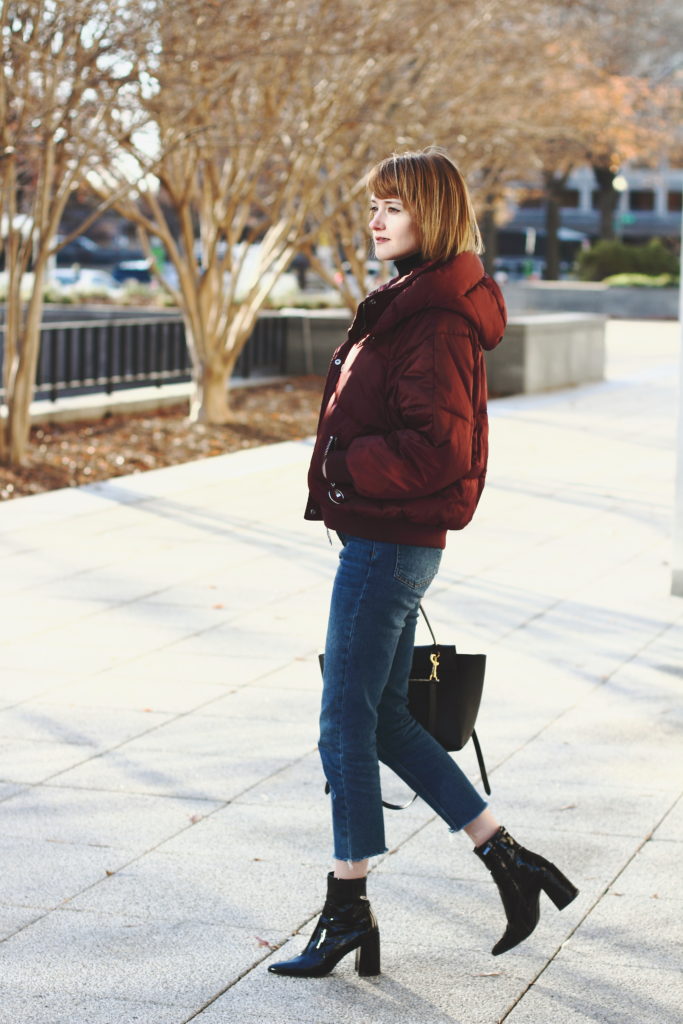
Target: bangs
(383, 180)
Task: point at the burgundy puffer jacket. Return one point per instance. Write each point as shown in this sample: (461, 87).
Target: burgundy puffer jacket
(403, 419)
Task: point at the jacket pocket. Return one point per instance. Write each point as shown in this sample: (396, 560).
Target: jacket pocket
(416, 566)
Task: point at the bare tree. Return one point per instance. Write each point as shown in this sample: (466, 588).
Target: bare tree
(259, 110)
(607, 101)
(466, 86)
(66, 78)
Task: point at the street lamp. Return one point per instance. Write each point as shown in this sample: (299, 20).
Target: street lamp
(620, 185)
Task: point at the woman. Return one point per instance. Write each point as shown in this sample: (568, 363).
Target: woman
(400, 458)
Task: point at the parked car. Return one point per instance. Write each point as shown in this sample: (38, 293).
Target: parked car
(86, 253)
(132, 270)
(85, 278)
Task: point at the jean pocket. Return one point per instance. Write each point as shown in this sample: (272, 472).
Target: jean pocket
(416, 566)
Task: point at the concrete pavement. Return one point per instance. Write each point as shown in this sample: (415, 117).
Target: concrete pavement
(162, 821)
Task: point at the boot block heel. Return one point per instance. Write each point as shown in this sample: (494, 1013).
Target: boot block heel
(559, 889)
(367, 955)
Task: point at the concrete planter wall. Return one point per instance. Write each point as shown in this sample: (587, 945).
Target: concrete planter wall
(540, 351)
(545, 351)
(589, 297)
(312, 337)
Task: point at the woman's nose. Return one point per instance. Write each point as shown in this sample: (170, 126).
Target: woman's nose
(376, 221)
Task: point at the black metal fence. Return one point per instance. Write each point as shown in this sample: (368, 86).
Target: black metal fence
(106, 355)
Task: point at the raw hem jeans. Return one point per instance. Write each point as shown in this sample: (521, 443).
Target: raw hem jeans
(365, 716)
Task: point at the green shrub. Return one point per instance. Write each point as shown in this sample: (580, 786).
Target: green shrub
(608, 258)
(641, 281)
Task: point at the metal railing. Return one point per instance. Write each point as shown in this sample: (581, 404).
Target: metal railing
(106, 355)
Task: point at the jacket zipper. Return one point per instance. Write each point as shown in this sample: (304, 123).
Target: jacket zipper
(330, 446)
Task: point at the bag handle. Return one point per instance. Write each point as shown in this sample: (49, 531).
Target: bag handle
(429, 625)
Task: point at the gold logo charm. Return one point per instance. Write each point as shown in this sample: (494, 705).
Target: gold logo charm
(434, 658)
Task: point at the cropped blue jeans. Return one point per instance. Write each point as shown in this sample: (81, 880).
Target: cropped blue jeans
(364, 716)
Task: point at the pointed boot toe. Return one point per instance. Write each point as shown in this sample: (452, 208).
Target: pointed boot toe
(347, 923)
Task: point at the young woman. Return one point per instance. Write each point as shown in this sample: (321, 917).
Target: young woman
(400, 458)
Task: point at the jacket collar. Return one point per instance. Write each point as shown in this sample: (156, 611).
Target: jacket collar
(459, 284)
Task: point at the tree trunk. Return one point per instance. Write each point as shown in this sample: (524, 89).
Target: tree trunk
(489, 235)
(22, 375)
(209, 402)
(553, 193)
(608, 198)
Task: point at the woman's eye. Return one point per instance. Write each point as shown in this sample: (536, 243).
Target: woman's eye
(393, 209)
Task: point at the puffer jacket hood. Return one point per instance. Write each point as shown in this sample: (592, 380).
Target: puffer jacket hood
(460, 286)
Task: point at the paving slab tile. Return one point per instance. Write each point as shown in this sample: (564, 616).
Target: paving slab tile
(587, 991)
(520, 802)
(19, 685)
(38, 873)
(12, 919)
(599, 718)
(445, 986)
(127, 821)
(199, 733)
(241, 832)
(223, 889)
(83, 727)
(130, 690)
(299, 673)
(572, 759)
(248, 1018)
(300, 784)
(112, 634)
(259, 581)
(283, 830)
(250, 702)
(647, 680)
(58, 658)
(639, 931)
(236, 641)
(34, 761)
(27, 569)
(671, 827)
(8, 789)
(110, 588)
(171, 667)
(26, 1007)
(187, 774)
(20, 621)
(180, 962)
(652, 872)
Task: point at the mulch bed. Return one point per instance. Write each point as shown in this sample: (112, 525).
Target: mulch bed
(69, 454)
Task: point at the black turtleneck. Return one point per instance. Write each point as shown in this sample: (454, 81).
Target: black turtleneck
(408, 263)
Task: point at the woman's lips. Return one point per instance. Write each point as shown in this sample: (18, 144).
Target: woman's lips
(378, 241)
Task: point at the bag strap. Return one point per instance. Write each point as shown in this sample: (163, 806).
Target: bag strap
(429, 625)
(399, 807)
(480, 762)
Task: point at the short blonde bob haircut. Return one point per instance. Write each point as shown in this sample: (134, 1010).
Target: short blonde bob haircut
(434, 192)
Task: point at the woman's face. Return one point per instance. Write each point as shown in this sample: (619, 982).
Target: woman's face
(393, 229)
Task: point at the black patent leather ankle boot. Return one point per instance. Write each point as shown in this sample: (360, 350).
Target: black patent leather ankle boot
(346, 923)
(520, 875)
